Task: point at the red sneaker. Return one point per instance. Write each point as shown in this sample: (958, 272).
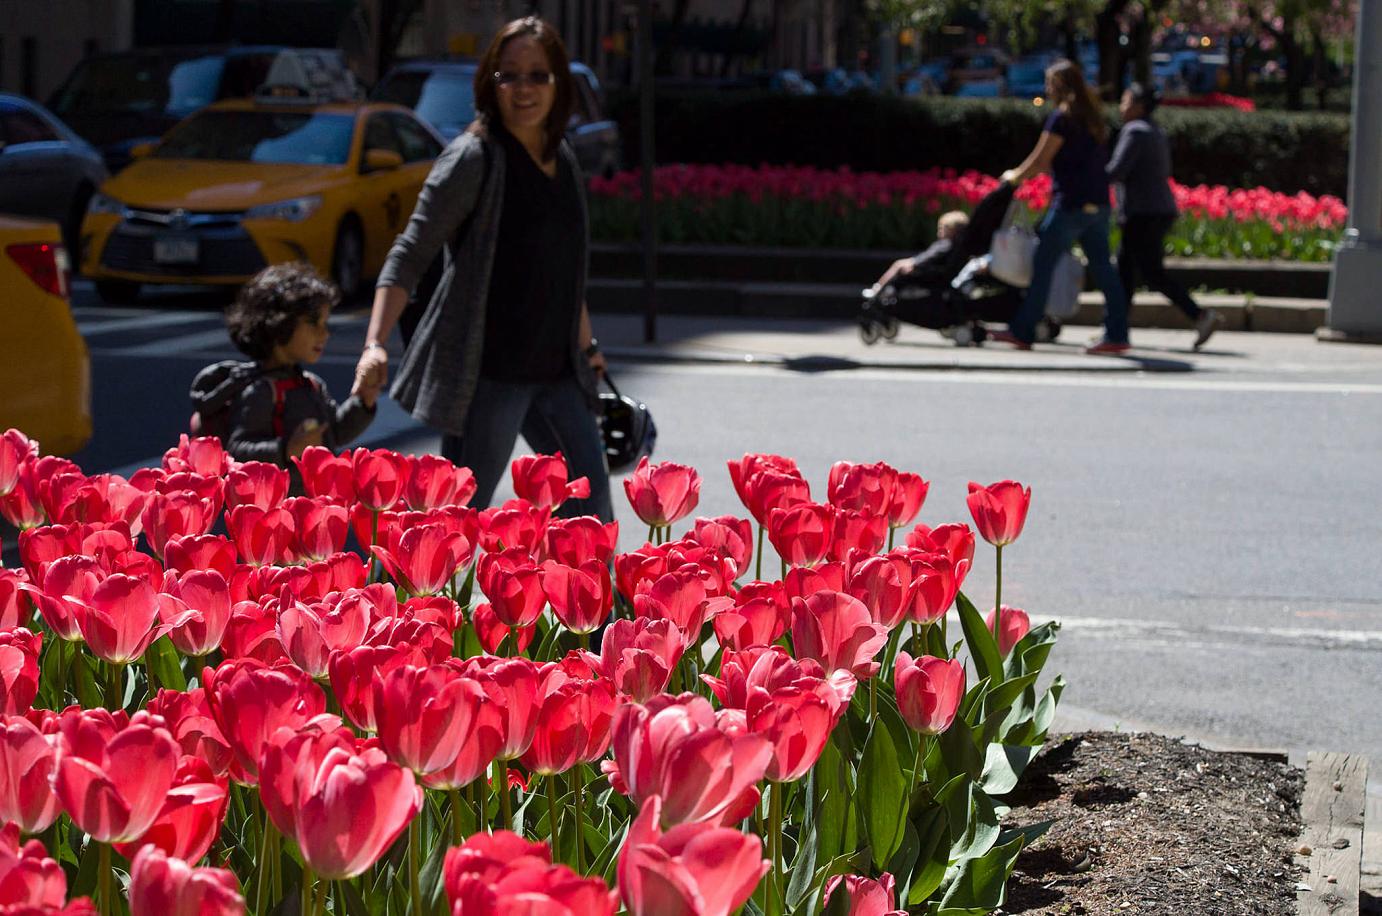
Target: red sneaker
(1108, 348)
(1008, 337)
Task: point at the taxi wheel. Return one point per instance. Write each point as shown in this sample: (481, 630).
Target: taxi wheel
(117, 292)
(347, 259)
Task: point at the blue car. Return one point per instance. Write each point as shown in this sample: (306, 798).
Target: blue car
(46, 170)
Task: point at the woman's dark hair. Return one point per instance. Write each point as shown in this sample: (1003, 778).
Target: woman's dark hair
(1144, 95)
(1072, 94)
(269, 307)
(487, 94)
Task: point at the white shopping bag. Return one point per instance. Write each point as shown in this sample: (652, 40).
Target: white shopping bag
(1012, 251)
(1066, 283)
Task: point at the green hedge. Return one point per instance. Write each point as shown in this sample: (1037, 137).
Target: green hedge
(1284, 151)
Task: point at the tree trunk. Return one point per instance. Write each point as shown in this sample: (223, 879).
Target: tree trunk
(1321, 68)
(1295, 68)
(740, 24)
(1072, 35)
(1142, 48)
(1107, 32)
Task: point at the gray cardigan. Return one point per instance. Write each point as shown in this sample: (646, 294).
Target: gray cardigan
(1141, 167)
(458, 209)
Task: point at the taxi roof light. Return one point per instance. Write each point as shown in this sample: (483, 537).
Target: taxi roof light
(44, 263)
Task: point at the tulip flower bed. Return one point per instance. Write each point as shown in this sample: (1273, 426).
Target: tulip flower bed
(266, 721)
(807, 207)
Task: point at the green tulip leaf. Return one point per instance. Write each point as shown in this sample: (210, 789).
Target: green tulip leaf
(84, 677)
(803, 868)
(162, 659)
(1001, 697)
(983, 648)
(1003, 766)
(1029, 833)
(959, 751)
(829, 782)
(979, 885)
(933, 856)
(882, 794)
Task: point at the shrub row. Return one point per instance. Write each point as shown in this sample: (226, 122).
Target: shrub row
(1284, 151)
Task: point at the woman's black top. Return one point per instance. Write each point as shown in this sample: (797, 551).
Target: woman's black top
(532, 301)
(1077, 172)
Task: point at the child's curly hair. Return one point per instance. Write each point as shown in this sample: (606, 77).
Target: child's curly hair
(268, 308)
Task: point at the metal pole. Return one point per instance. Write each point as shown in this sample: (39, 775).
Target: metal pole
(645, 123)
(1355, 311)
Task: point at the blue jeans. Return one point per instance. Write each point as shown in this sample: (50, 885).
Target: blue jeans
(1059, 230)
(553, 417)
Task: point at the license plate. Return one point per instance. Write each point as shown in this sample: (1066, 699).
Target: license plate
(176, 249)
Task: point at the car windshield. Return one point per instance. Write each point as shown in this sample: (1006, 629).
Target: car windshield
(301, 137)
(140, 84)
(444, 100)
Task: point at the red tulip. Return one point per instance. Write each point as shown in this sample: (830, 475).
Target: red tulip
(955, 540)
(513, 585)
(380, 476)
(68, 587)
(572, 541)
(250, 701)
(759, 671)
(21, 507)
(857, 533)
(645, 564)
(252, 634)
(492, 632)
(504, 874)
(19, 651)
(320, 527)
(188, 717)
(166, 885)
(113, 772)
(797, 721)
(517, 526)
(679, 597)
(353, 672)
(263, 537)
(514, 684)
(929, 691)
(212, 489)
(786, 487)
(935, 583)
(30, 881)
(326, 474)
(426, 560)
(98, 498)
(753, 621)
(40, 546)
(866, 488)
(477, 752)
(169, 515)
(198, 552)
(836, 630)
(881, 584)
(679, 749)
(909, 495)
(573, 726)
(662, 493)
(191, 815)
(433, 481)
(119, 624)
(201, 602)
(867, 896)
(999, 510)
(639, 656)
(542, 481)
(311, 632)
(287, 754)
(691, 870)
(425, 715)
(803, 582)
(15, 607)
(728, 536)
(28, 761)
(582, 597)
(1016, 624)
(15, 450)
(802, 535)
(203, 455)
(256, 483)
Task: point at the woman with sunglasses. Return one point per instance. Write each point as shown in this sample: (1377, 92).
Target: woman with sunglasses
(504, 346)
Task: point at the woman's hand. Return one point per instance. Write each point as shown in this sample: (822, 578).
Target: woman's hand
(308, 433)
(1010, 177)
(597, 360)
(372, 371)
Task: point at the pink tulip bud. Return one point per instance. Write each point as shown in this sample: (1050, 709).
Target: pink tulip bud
(999, 510)
(929, 691)
(1015, 625)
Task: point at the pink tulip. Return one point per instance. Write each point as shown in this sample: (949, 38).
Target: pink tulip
(353, 672)
(264, 537)
(256, 483)
(433, 481)
(119, 624)
(426, 560)
(113, 772)
(28, 761)
(425, 715)
(170, 515)
(514, 685)
(504, 874)
(837, 631)
(201, 552)
(573, 726)
(320, 527)
(881, 583)
(250, 701)
(203, 455)
(21, 507)
(19, 652)
(582, 597)
(190, 817)
(929, 691)
(327, 474)
(380, 477)
(543, 481)
(311, 632)
(15, 607)
(516, 526)
(999, 510)
(797, 721)
(287, 754)
(573, 541)
(679, 597)
(68, 587)
(803, 581)
(701, 765)
(168, 886)
(639, 656)
(691, 870)
(753, 621)
(30, 881)
(15, 450)
(803, 534)
(513, 585)
(493, 633)
(866, 488)
(956, 541)
(857, 534)
(767, 482)
(867, 896)
(252, 634)
(478, 751)
(104, 498)
(662, 493)
(188, 717)
(201, 601)
(1016, 624)
(908, 497)
(730, 537)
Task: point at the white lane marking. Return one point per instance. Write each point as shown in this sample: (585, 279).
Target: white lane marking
(1365, 639)
(142, 322)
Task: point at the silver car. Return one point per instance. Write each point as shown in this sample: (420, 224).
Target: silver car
(46, 170)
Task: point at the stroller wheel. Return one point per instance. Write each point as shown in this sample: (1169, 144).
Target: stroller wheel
(870, 331)
(890, 328)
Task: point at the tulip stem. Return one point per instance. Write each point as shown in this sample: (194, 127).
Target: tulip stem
(501, 786)
(652, 532)
(578, 786)
(309, 892)
(261, 888)
(552, 826)
(373, 537)
(998, 595)
(922, 742)
(758, 556)
(415, 863)
(457, 835)
(115, 687)
(892, 532)
(104, 875)
(775, 843)
(873, 698)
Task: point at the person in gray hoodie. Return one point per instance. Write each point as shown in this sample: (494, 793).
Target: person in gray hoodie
(1140, 169)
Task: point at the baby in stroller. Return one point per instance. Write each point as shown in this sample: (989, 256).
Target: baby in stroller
(948, 287)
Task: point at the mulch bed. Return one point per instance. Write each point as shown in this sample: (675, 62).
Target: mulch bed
(1146, 824)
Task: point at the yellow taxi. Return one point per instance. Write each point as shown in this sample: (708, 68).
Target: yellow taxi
(45, 372)
(240, 185)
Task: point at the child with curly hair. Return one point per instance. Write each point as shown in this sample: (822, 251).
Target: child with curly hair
(271, 409)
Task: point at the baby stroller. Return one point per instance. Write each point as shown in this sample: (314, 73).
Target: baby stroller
(929, 298)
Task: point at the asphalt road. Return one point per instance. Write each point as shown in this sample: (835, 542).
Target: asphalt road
(1210, 544)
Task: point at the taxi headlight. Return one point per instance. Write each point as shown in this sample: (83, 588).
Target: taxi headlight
(104, 203)
(293, 211)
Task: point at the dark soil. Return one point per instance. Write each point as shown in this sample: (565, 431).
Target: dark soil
(1148, 825)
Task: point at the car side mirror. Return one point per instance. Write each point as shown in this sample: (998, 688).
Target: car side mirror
(140, 150)
(382, 160)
